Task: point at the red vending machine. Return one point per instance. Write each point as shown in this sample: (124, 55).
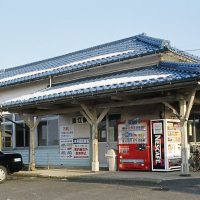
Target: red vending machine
(134, 145)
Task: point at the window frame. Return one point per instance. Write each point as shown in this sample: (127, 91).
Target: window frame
(24, 134)
(107, 128)
(48, 118)
(3, 134)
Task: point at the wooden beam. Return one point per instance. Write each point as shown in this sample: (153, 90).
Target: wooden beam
(86, 116)
(172, 108)
(86, 110)
(58, 111)
(37, 122)
(138, 102)
(190, 104)
(103, 114)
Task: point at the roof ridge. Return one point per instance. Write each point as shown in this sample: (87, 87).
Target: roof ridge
(74, 52)
(185, 54)
(161, 43)
(181, 66)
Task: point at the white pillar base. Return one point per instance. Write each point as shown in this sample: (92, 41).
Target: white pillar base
(185, 164)
(185, 169)
(31, 166)
(95, 166)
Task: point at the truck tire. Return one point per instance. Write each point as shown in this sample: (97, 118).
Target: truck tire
(3, 174)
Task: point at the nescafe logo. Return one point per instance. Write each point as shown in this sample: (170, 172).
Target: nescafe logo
(158, 156)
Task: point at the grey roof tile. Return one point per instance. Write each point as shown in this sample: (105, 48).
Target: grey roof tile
(140, 45)
(164, 73)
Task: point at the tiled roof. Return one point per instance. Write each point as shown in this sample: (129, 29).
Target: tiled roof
(163, 74)
(132, 47)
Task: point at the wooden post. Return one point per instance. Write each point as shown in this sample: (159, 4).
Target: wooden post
(95, 150)
(32, 124)
(0, 139)
(184, 144)
(32, 149)
(94, 122)
(184, 115)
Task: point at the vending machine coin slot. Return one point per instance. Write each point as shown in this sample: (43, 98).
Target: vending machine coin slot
(141, 147)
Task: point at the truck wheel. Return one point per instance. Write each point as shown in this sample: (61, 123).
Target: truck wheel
(3, 174)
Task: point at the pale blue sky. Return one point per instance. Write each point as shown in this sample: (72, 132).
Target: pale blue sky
(32, 30)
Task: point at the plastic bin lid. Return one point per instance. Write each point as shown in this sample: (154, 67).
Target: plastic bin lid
(111, 153)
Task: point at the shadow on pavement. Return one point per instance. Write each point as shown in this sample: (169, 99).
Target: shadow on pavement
(181, 185)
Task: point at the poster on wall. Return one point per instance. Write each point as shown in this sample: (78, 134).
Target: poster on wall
(66, 132)
(70, 147)
(81, 148)
(158, 158)
(66, 148)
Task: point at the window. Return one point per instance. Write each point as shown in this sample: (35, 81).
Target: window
(194, 128)
(42, 133)
(53, 132)
(22, 135)
(21, 132)
(7, 133)
(8, 117)
(48, 132)
(107, 131)
(112, 127)
(102, 131)
(18, 117)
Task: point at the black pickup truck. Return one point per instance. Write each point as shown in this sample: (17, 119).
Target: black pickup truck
(9, 163)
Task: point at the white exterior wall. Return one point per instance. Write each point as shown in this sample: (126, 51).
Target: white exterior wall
(23, 89)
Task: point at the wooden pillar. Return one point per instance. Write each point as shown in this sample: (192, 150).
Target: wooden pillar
(95, 149)
(184, 140)
(32, 149)
(185, 148)
(94, 121)
(32, 124)
(1, 138)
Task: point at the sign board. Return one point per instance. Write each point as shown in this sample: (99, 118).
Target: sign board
(81, 148)
(70, 147)
(66, 132)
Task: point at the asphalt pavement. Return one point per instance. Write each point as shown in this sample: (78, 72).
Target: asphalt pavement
(117, 177)
(35, 188)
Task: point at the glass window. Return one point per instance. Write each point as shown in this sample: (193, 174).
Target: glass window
(102, 133)
(22, 135)
(48, 132)
(7, 130)
(18, 118)
(194, 128)
(112, 127)
(42, 133)
(53, 132)
(107, 130)
(8, 118)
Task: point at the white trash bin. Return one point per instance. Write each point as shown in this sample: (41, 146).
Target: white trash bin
(111, 156)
